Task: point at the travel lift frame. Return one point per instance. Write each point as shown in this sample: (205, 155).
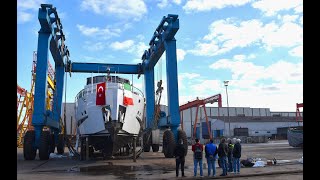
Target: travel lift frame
(298, 114)
(197, 103)
(51, 34)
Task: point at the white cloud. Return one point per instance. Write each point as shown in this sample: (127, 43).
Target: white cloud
(24, 17)
(289, 34)
(207, 5)
(165, 3)
(122, 45)
(293, 72)
(121, 8)
(299, 9)
(251, 56)
(225, 35)
(136, 61)
(29, 4)
(94, 46)
(138, 49)
(27, 9)
(301, 20)
(205, 85)
(140, 37)
(105, 33)
(177, 1)
(180, 54)
(130, 46)
(162, 4)
(271, 7)
(242, 70)
(297, 51)
(189, 76)
(289, 18)
(239, 57)
(247, 93)
(277, 97)
(205, 49)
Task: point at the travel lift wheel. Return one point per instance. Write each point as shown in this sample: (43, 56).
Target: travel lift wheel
(83, 149)
(182, 135)
(155, 147)
(60, 146)
(29, 152)
(45, 145)
(169, 144)
(147, 145)
(53, 145)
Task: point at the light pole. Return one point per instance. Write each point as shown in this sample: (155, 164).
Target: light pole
(226, 85)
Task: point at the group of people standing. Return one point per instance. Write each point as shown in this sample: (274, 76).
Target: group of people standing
(228, 154)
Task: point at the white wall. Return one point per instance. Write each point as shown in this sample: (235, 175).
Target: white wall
(70, 112)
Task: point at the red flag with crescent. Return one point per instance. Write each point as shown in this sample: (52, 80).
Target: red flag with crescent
(101, 94)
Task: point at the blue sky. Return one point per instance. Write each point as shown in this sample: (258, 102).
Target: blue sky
(256, 45)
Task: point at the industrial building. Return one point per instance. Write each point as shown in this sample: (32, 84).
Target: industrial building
(243, 121)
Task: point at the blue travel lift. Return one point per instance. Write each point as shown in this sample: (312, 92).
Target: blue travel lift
(47, 127)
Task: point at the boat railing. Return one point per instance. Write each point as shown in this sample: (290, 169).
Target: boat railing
(86, 90)
(139, 91)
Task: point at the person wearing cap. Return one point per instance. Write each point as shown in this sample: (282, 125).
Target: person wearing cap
(236, 156)
(179, 153)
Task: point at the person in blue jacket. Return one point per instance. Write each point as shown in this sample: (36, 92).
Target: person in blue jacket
(211, 151)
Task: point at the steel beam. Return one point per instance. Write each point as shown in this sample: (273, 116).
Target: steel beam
(150, 97)
(40, 90)
(57, 98)
(172, 85)
(105, 68)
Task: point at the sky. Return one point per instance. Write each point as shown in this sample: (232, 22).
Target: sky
(255, 45)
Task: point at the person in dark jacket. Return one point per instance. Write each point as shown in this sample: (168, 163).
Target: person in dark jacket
(211, 151)
(230, 160)
(179, 153)
(197, 149)
(222, 153)
(236, 156)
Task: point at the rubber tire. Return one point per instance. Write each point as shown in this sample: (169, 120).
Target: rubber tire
(44, 146)
(155, 147)
(83, 149)
(147, 145)
(169, 144)
(29, 152)
(61, 144)
(146, 148)
(182, 135)
(53, 145)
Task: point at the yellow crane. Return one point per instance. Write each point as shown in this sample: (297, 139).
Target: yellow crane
(25, 102)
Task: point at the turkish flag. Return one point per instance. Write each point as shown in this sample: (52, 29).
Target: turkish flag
(101, 94)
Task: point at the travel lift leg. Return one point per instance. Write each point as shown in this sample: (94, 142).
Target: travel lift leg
(50, 36)
(163, 40)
